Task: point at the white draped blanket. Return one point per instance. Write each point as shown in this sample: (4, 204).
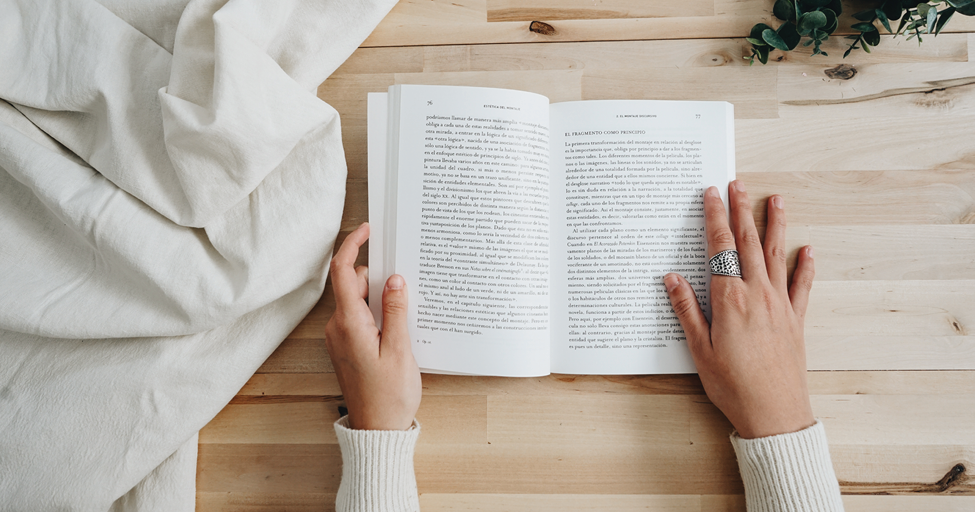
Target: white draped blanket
(170, 191)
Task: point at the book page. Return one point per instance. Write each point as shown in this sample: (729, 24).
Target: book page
(628, 183)
(470, 232)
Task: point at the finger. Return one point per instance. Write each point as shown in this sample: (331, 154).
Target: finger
(688, 311)
(747, 242)
(395, 335)
(719, 234)
(344, 280)
(362, 275)
(802, 281)
(775, 243)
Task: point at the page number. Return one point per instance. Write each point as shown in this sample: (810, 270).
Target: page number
(697, 116)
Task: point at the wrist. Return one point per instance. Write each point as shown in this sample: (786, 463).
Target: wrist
(367, 422)
(772, 426)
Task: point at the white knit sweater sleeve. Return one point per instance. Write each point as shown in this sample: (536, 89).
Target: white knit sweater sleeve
(788, 472)
(377, 469)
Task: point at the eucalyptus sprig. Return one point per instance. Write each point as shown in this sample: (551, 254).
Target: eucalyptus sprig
(817, 20)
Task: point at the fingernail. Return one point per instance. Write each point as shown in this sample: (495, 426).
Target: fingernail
(739, 186)
(777, 202)
(395, 282)
(711, 191)
(671, 282)
(809, 251)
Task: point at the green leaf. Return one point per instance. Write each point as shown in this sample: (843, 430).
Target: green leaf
(943, 19)
(866, 48)
(892, 9)
(968, 10)
(868, 15)
(837, 7)
(932, 18)
(883, 19)
(787, 31)
(784, 10)
(808, 42)
(959, 3)
(755, 42)
(850, 49)
(811, 20)
(831, 21)
(774, 40)
(762, 52)
(864, 27)
(814, 4)
(871, 38)
(900, 28)
(923, 9)
(757, 30)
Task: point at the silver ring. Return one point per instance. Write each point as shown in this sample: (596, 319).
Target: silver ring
(725, 263)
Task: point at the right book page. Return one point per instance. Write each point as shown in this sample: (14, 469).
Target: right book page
(628, 179)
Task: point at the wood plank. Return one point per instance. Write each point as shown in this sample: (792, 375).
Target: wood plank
(841, 144)
(867, 197)
(301, 423)
(820, 383)
(446, 22)
(752, 91)
(879, 91)
(608, 421)
(578, 469)
(549, 10)
(945, 252)
(689, 503)
(308, 420)
(647, 54)
(218, 501)
(269, 469)
(900, 308)
(908, 503)
(890, 352)
(562, 502)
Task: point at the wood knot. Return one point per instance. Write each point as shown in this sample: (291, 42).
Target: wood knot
(540, 27)
(841, 72)
(954, 476)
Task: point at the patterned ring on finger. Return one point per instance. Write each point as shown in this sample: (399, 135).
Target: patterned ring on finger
(725, 263)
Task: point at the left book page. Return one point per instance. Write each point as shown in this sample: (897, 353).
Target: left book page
(459, 205)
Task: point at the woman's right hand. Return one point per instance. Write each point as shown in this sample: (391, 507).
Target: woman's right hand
(751, 358)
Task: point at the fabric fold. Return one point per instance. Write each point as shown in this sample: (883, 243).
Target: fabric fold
(170, 193)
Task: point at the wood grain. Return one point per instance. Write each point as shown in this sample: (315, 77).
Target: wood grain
(877, 172)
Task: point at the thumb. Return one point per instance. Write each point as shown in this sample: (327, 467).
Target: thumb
(395, 304)
(692, 319)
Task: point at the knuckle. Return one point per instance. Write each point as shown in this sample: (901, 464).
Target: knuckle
(685, 305)
(750, 237)
(769, 302)
(777, 253)
(722, 237)
(804, 281)
(394, 307)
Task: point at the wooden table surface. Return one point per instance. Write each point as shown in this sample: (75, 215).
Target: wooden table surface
(877, 172)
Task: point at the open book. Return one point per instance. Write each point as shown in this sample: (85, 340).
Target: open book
(533, 236)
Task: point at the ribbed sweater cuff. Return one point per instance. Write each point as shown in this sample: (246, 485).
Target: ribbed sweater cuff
(377, 469)
(788, 472)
